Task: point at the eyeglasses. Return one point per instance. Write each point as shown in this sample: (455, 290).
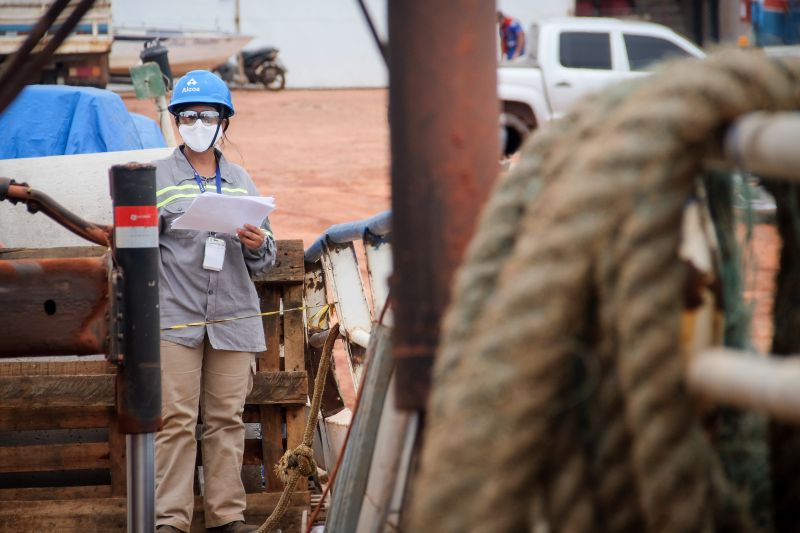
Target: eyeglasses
(209, 118)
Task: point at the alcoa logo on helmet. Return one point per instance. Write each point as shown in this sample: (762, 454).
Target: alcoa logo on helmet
(189, 86)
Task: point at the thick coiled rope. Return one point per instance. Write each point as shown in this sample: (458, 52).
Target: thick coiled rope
(299, 461)
(573, 284)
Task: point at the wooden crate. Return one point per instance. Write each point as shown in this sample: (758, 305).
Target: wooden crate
(62, 458)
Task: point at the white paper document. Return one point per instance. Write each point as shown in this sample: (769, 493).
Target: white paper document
(224, 214)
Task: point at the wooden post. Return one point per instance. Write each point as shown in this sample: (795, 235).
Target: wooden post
(294, 360)
(269, 361)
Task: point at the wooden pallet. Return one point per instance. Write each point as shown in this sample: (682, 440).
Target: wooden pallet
(62, 459)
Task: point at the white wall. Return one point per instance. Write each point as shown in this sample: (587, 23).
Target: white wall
(323, 43)
(78, 182)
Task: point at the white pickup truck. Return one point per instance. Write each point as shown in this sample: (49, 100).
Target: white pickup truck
(570, 57)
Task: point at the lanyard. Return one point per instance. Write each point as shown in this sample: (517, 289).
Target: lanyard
(202, 183)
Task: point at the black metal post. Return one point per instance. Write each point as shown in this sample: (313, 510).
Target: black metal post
(133, 190)
(713, 20)
(698, 24)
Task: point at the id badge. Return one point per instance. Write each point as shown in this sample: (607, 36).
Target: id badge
(215, 254)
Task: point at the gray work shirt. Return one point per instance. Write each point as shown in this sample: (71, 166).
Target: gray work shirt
(187, 291)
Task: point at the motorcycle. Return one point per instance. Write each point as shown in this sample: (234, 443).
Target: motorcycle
(260, 65)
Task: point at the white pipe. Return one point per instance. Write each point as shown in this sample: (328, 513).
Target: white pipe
(141, 482)
(766, 144)
(767, 384)
(358, 336)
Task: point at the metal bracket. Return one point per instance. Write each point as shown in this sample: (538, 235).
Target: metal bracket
(116, 317)
(148, 81)
(5, 186)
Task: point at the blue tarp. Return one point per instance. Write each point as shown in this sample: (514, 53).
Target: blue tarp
(149, 133)
(58, 120)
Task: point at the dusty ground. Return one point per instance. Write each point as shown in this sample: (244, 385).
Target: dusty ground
(323, 155)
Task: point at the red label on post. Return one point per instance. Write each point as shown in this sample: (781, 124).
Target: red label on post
(135, 215)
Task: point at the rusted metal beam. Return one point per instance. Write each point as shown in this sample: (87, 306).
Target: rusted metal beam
(445, 151)
(750, 381)
(54, 306)
(39, 201)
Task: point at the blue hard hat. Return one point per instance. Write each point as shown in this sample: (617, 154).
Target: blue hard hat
(200, 87)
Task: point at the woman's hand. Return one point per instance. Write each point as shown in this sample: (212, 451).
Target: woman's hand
(251, 236)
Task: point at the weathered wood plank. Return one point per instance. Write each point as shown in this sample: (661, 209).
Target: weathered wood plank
(294, 360)
(288, 265)
(48, 391)
(271, 444)
(252, 414)
(117, 458)
(31, 392)
(270, 418)
(279, 388)
(15, 419)
(270, 301)
(56, 493)
(66, 516)
(108, 514)
(44, 253)
(295, 426)
(49, 457)
(252, 452)
(56, 368)
(293, 330)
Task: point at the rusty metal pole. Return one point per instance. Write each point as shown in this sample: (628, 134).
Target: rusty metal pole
(445, 151)
(133, 190)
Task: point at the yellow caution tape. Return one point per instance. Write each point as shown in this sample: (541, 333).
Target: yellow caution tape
(321, 315)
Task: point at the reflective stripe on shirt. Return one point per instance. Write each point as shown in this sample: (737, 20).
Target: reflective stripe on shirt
(188, 293)
(188, 186)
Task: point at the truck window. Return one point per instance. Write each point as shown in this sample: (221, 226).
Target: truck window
(644, 51)
(585, 50)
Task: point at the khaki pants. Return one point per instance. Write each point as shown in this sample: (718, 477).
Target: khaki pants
(220, 381)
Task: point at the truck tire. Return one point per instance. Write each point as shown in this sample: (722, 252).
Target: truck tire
(273, 78)
(515, 132)
(517, 121)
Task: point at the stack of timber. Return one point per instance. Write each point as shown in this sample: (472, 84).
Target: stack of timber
(62, 458)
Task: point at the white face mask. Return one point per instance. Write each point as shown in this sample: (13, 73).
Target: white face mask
(198, 136)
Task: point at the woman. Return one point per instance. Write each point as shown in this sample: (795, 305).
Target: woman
(205, 276)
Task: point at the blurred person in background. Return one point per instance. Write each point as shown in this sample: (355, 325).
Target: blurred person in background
(512, 36)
